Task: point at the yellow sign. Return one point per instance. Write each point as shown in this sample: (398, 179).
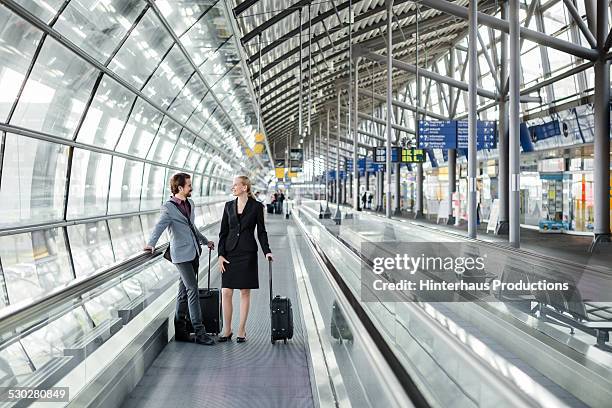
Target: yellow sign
(259, 148)
(280, 172)
(259, 137)
(248, 152)
(291, 174)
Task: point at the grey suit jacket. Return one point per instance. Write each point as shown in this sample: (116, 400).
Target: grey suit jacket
(183, 245)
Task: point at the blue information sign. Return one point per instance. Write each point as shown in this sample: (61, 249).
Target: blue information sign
(331, 175)
(437, 134)
(545, 130)
(363, 165)
(376, 167)
(485, 134)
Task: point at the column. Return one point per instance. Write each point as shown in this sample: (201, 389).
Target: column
(338, 213)
(452, 183)
(514, 125)
(327, 213)
(473, 81)
(356, 198)
(418, 212)
(389, 104)
(601, 102)
(502, 128)
(396, 202)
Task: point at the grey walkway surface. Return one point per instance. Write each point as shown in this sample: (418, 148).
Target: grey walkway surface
(245, 375)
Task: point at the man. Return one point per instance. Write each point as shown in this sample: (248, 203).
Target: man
(185, 251)
(275, 201)
(281, 199)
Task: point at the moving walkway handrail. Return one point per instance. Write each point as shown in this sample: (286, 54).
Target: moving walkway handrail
(20, 316)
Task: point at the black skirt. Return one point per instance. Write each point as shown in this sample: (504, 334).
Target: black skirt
(241, 271)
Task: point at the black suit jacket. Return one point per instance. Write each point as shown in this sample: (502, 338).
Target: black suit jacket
(240, 233)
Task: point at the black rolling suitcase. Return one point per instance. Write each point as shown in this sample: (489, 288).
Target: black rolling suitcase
(270, 208)
(210, 305)
(281, 315)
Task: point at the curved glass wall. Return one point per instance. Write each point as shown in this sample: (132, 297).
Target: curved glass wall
(99, 106)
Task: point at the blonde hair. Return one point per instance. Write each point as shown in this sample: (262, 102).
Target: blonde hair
(247, 182)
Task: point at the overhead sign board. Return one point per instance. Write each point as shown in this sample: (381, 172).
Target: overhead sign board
(380, 154)
(296, 155)
(438, 134)
(486, 131)
(545, 130)
(413, 156)
(452, 134)
(279, 168)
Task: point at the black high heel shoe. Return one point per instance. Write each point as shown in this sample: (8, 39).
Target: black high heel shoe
(223, 339)
(241, 339)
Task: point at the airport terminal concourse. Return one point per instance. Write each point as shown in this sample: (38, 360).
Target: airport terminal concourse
(305, 203)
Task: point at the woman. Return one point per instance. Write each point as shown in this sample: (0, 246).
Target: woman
(238, 253)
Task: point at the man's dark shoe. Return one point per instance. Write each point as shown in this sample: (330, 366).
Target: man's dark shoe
(182, 328)
(203, 338)
(182, 336)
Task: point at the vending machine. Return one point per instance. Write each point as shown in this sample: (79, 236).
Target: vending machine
(555, 206)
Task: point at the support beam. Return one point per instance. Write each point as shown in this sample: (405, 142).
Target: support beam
(498, 24)
(514, 119)
(530, 12)
(244, 6)
(349, 142)
(288, 126)
(389, 105)
(452, 183)
(580, 23)
(608, 43)
(601, 107)
(472, 116)
(278, 17)
(356, 139)
(384, 123)
(327, 213)
(503, 190)
(338, 213)
(425, 73)
(437, 77)
(492, 67)
(300, 84)
(401, 104)
(462, 77)
(590, 7)
(320, 147)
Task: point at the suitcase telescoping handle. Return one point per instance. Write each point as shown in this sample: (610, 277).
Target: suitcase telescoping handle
(270, 273)
(209, 252)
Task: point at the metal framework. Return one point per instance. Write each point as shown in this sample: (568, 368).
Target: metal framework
(423, 39)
